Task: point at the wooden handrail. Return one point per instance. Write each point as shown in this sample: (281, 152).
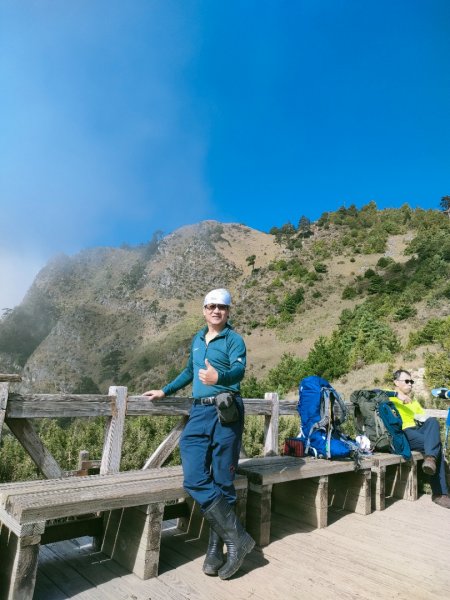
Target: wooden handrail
(19, 410)
(14, 377)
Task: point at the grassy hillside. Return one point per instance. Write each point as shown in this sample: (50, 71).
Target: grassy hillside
(345, 297)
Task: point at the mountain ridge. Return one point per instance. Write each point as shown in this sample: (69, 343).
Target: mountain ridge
(126, 315)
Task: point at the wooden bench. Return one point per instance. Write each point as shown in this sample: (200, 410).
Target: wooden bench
(302, 489)
(134, 504)
(137, 502)
(393, 476)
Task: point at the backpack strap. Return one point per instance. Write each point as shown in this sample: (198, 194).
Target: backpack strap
(338, 398)
(323, 422)
(327, 411)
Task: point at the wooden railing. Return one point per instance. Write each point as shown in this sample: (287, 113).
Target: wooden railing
(19, 410)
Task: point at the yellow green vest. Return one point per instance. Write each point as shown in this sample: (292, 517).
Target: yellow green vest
(407, 411)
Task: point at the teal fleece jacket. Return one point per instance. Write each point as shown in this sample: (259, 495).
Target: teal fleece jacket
(226, 353)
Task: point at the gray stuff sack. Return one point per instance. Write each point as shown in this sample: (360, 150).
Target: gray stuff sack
(227, 410)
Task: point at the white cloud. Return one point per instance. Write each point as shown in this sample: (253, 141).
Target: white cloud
(17, 272)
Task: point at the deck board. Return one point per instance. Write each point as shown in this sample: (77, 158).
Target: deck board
(402, 552)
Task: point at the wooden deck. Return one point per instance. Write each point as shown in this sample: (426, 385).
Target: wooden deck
(400, 553)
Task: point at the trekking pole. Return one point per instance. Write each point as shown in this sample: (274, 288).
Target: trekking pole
(447, 428)
(445, 394)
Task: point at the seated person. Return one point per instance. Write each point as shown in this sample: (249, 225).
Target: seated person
(425, 438)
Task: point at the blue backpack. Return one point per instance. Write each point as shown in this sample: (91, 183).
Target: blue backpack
(388, 413)
(322, 411)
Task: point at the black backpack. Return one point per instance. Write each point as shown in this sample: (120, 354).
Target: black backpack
(367, 420)
(377, 418)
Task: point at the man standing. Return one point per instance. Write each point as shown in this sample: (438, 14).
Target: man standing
(211, 441)
(425, 437)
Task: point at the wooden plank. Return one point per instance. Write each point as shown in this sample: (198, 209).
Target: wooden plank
(378, 487)
(75, 483)
(259, 508)
(112, 447)
(166, 407)
(374, 563)
(351, 492)
(101, 577)
(59, 503)
(88, 405)
(167, 446)
(288, 408)
(173, 406)
(406, 486)
(286, 468)
(181, 569)
(33, 406)
(133, 537)
(18, 566)
(27, 436)
(303, 500)
(386, 459)
(69, 580)
(45, 588)
(42, 490)
(241, 503)
(271, 426)
(10, 377)
(20, 529)
(3, 404)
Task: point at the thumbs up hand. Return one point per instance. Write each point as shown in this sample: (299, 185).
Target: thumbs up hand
(208, 376)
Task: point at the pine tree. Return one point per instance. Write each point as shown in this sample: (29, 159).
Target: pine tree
(445, 205)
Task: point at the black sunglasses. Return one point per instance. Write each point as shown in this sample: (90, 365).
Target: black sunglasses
(212, 307)
(411, 381)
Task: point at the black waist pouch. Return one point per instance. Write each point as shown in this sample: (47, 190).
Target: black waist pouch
(226, 407)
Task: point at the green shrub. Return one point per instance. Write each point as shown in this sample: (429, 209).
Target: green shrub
(349, 293)
(272, 321)
(286, 374)
(369, 273)
(435, 331)
(320, 267)
(404, 312)
(292, 300)
(384, 262)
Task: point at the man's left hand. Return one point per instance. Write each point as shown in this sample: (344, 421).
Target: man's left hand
(208, 376)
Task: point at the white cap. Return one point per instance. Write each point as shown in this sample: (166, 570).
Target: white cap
(220, 296)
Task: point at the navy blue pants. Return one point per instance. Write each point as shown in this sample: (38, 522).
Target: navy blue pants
(210, 454)
(427, 439)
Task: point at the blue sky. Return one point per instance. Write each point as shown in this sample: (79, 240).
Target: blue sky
(122, 118)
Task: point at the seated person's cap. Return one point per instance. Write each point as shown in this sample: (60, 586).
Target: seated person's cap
(220, 296)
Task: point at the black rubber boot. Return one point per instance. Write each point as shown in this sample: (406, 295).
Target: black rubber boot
(214, 558)
(224, 521)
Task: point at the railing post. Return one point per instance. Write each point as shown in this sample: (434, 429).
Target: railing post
(5, 378)
(3, 402)
(112, 447)
(271, 426)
